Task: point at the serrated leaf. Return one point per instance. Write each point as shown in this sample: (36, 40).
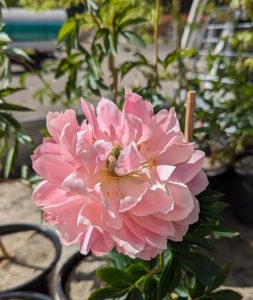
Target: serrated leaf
(107, 293)
(116, 278)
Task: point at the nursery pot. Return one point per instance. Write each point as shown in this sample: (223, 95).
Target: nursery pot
(24, 296)
(80, 270)
(220, 179)
(41, 240)
(242, 190)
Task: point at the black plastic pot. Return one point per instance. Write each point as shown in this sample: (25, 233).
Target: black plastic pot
(242, 193)
(64, 273)
(24, 296)
(42, 283)
(220, 180)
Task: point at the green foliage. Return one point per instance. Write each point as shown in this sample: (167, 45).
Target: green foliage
(181, 272)
(11, 132)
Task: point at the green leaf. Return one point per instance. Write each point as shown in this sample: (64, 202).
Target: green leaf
(170, 277)
(113, 40)
(129, 22)
(115, 278)
(10, 160)
(133, 38)
(226, 295)
(209, 196)
(11, 120)
(67, 28)
(4, 38)
(9, 91)
(199, 241)
(134, 294)
(14, 107)
(224, 232)
(137, 270)
(150, 287)
(108, 293)
(17, 54)
(120, 261)
(23, 138)
(179, 53)
(202, 267)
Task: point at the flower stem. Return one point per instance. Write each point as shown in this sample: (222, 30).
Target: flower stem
(162, 261)
(4, 250)
(156, 25)
(114, 73)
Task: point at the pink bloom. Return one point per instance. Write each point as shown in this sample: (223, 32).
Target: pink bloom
(124, 180)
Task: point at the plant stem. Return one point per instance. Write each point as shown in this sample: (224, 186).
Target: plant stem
(4, 250)
(178, 36)
(114, 73)
(161, 260)
(156, 25)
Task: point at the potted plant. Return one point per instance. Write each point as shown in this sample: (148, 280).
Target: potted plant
(29, 249)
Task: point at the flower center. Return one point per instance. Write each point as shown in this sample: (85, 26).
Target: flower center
(111, 162)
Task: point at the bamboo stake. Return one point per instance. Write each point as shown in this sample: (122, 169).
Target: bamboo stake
(189, 115)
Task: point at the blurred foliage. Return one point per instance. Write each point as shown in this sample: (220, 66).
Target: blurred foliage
(226, 118)
(11, 132)
(96, 67)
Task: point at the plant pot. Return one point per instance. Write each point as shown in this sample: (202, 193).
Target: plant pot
(242, 190)
(220, 179)
(38, 264)
(24, 296)
(77, 277)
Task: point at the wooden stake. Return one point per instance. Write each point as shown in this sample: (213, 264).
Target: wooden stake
(189, 115)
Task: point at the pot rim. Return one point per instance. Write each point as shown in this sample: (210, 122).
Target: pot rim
(48, 233)
(64, 272)
(27, 295)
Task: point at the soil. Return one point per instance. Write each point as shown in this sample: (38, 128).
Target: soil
(22, 267)
(82, 279)
(16, 206)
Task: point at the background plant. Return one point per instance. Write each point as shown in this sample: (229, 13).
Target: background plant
(11, 132)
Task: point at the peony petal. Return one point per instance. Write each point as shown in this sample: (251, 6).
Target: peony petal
(164, 172)
(129, 160)
(135, 105)
(47, 194)
(53, 168)
(153, 201)
(185, 172)
(56, 122)
(64, 217)
(109, 116)
(199, 183)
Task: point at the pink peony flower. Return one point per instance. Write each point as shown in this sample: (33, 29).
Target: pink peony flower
(120, 179)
